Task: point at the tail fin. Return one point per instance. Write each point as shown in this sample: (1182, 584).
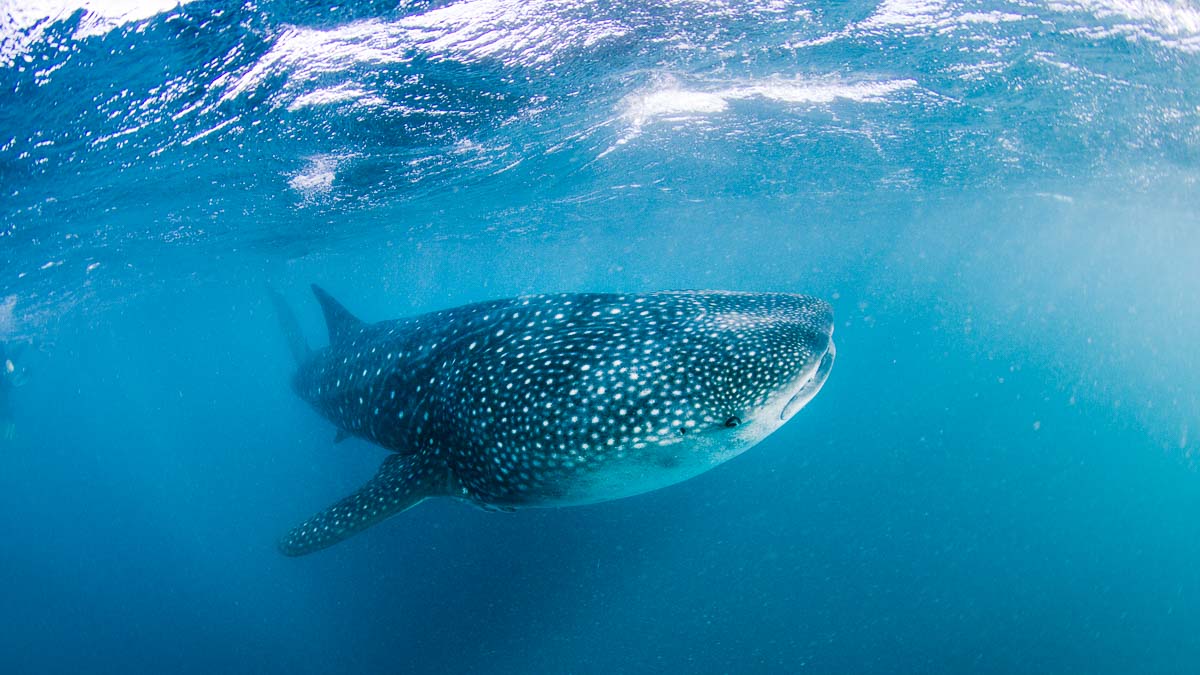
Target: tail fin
(338, 319)
(290, 327)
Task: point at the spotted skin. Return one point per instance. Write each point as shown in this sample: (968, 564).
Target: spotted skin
(402, 481)
(555, 400)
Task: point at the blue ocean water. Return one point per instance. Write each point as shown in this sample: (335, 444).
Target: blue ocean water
(1001, 199)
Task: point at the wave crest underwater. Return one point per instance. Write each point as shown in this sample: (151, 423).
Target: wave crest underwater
(291, 118)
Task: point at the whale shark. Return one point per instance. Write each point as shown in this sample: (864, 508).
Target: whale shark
(554, 400)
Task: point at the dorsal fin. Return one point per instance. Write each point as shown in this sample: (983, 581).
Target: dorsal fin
(338, 319)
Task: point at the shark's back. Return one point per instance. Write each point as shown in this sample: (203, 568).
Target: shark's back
(383, 381)
(556, 387)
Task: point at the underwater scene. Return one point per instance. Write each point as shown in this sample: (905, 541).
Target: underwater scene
(561, 336)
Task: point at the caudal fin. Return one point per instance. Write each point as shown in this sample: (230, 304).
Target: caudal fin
(402, 482)
(289, 326)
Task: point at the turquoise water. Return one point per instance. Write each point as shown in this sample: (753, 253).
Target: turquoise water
(1000, 199)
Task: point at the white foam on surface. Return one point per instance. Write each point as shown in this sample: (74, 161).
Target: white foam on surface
(906, 13)
(316, 180)
(23, 23)
(513, 32)
(1171, 23)
(912, 17)
(332, 95)
(670, 101)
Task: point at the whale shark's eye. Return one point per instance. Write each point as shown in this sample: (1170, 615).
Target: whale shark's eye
(733, 421)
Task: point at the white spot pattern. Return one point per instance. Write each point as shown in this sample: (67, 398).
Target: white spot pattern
(560, 398)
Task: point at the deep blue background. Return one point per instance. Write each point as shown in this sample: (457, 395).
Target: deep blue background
(911, 519)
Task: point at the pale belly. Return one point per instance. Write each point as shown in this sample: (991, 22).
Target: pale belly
(588, 480)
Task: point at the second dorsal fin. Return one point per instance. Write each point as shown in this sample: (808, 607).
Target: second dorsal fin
(338, 319)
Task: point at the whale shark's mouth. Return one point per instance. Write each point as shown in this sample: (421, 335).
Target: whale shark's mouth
(809, 388)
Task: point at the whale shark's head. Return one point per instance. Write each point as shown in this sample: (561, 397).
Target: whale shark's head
(682, 381)
(752, 361)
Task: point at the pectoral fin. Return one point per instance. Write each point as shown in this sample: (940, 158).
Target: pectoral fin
(403, 481)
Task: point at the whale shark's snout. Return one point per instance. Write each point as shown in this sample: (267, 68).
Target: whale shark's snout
(810, 384)
(772, 354)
